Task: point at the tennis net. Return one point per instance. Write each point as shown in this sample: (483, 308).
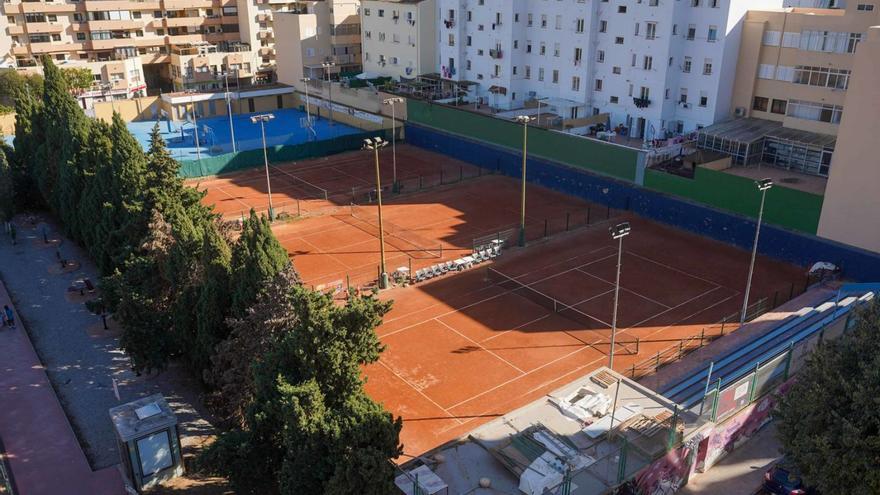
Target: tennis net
(397, 236)
(320, 192)
(516, 287)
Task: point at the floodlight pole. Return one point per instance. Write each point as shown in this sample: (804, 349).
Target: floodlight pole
(763, 186)
(374, 145)
(522, 214)
(195, 123)
(262, 119)
(229, 110)
(392, 101)
(618, 232)
(306, 81)
(327, 66)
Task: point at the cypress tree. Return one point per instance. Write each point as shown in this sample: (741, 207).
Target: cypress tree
(96, 196)
(256, 258)
(29, 134)
(7, 199)
(214, 298)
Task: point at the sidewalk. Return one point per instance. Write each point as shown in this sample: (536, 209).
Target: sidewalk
(43, 453)
(741, 472)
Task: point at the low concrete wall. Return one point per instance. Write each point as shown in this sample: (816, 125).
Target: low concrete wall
(145, 108)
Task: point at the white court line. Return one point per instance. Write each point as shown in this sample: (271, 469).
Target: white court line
(565, 261)
(630, 329)
(533, 389)
(480, 346)
(670, 267)
(506, 382)
(680, 305)
(639, 294)
(248, 206)
(318, 251)
(515, 328)
(404, 380)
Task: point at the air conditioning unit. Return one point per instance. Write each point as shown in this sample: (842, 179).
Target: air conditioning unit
(740, 112)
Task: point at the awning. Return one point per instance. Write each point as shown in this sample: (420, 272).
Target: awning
(498, 90)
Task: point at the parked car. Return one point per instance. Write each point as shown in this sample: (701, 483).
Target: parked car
(783, 479)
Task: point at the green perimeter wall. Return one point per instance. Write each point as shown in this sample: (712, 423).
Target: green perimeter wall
(607, 159)
(789, 208)
(231, 162)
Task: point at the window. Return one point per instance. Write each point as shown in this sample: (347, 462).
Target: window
(648, 63)
(451, 38)
(598, 85)
(615, 70)
(713, 34)
(603, 26)
(600, 56)
(555, 76)
(766, 71)
(865, 7)
(760, 104)
(636, 32)
(543, 50)
(695, 3)
(686, 66)
(824, 77)
(578, 55)
(367, 12)
(618, 40)
(579, 26)
(713, 4)
(653, 3)
(645, 93)
(515, 17)
(575, 83)
(778, 106)
(528, 74)
(683, 95)
(614, 99)
(528, 47)
(621, 9)
(633, 62)
(707, 67)
(529, 21)
(558, 22)
(543, 21)
(382, 13)
(829, 41)
(467, 65)
(820, 112)
(704, 100)
(675, 29)
(80, 36)
(555, 49)
(666, 94)
(650, 30)
(468, 41)
(692, 32)
(514, 70)
(540, 73)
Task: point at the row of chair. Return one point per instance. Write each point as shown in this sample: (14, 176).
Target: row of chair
(478, 256)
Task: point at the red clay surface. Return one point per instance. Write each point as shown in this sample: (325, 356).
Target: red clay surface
(44, 455)
(462, 350)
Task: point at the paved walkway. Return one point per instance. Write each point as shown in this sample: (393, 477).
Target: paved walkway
(80, 359)
(43, 453)
(742, 471)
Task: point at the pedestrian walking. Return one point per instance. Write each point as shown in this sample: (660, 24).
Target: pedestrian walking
(9, 316)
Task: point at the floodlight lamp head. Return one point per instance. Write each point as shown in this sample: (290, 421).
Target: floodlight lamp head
(523, 119)
(620, 230)
(392, 101)
(254, 119)
(764, 184)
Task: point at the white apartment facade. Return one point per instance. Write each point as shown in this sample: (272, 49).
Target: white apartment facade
(399, 37)
(657, 67)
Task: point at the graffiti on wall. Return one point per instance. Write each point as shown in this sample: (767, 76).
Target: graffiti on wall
(726, 436)
(667, 474)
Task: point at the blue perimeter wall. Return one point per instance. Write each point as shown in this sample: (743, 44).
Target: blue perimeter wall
(782, 244)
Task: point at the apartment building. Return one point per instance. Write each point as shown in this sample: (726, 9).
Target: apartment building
(656, 66)
(399, 37)
(320, 40)
(202, 67)
(851, 199)
(791, 83)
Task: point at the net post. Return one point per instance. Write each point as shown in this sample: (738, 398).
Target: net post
(632, 373)
(680, 349)
(353, 196)
(347, 283)
(702, 336)
(723, 321)
(638, 344)
(775, 297)
(791, 292)
(657, 360)
(546, 227)
(298, 209)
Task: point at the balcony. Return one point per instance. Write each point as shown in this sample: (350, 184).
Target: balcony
(641, 102)
(35, 7)
(188, 4)
(53, 47)
(495, 54)
(115, 25)
(14, 29)
(44, 27)
(182, 39)
(265, 35)
(190, 21)
(266, 51)
(105, 5)
(449, 23)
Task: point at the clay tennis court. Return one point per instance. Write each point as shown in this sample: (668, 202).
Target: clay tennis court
(471, 346)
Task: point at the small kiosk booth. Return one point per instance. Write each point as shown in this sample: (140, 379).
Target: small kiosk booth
(149, 444)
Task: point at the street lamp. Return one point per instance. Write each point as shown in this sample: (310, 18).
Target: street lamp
(306, 81)
(327, 66)
(524, 120)
(392, 101)
(262, 119)
(374, 144)
(192, 103)
(229, 109)
(763, 186)
(618, 232)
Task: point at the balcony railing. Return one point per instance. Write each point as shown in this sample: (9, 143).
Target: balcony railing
(495, 53)
(641, 102)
